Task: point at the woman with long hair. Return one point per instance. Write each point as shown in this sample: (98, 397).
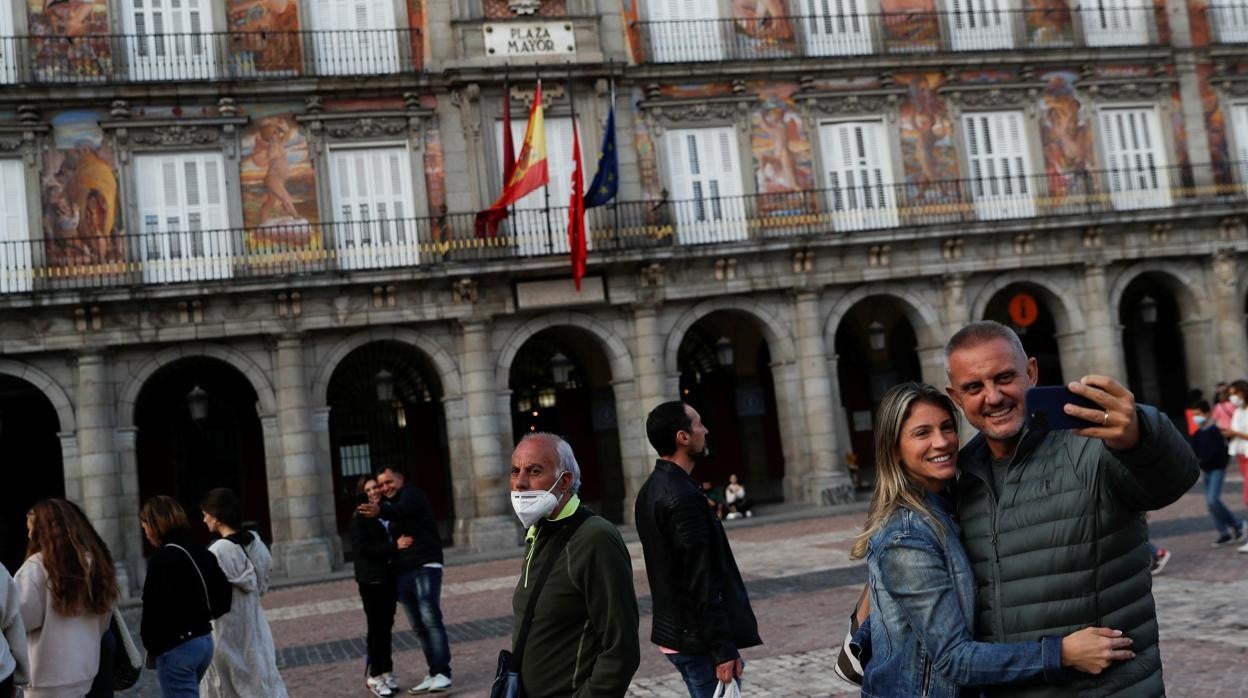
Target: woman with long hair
(67, 586)
(244, 662)
(922, 588)
(183, 583)
(372, 549)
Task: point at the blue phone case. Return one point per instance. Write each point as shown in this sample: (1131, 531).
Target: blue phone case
(1045, 409)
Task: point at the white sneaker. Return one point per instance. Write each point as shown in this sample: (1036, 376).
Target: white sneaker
(432, 684)
(377, 684)
(390, 680)
(1243, 548)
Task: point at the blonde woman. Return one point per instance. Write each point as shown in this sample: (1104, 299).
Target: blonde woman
(922, 588)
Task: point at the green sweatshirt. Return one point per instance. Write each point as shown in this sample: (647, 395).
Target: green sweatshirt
(583, 638)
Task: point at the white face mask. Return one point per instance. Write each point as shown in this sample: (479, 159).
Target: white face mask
(532, 506)
(1237, 401)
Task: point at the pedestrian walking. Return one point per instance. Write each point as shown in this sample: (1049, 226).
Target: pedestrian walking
(574, 609)
(702, 616)
(1213, 455)
(418, 571)
(14, 659)
(67, 587)
(244, 662)
(1237, 433)
(184, 591)
(922, 596)
(372, 552)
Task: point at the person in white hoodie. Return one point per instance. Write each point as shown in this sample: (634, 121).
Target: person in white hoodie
(14, 662)
(67, 587)
(244, 662)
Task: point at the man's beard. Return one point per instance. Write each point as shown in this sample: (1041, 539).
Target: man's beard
(702, 455)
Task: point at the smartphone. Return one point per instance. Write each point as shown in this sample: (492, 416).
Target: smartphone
(361, 498)
(1045, 409)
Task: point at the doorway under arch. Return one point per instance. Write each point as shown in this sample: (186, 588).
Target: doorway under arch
(34, 468)
(1025, 307)
(1152, 342)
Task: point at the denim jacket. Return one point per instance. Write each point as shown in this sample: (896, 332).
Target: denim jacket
(922, 607)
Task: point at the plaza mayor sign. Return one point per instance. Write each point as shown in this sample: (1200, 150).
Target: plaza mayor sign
(529, 38)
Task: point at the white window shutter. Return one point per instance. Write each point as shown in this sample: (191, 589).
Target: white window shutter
(16, 272)
(1239, 126)
(1136, 172)
(184, 234)
(686, 30)
(9, 66)
(1115, 22)
(372, 192)
(170, 39)
(706, 185)
(837, 28)
(1230, 19)
(976, 25)
(859, 177)
(996, 147)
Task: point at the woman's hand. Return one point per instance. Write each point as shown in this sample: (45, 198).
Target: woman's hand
(1092, 650)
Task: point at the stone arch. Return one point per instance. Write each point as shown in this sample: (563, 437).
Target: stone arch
(1067, 313)
(779, 341)
(1187, 289)
(49, 387)
(618, 356)
(443, 363)
(244, 364)
(922, 316)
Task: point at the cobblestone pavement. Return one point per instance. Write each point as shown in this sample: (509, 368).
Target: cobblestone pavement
(801, 582)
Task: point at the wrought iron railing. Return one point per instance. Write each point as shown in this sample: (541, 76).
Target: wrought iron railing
(856, 32)
(1230, 22)
(69, 260)
(207, 56)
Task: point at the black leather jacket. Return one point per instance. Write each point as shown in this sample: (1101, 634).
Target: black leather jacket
(700, 602)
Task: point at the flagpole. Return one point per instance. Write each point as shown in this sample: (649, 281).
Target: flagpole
(615, 200)
(550, 236)
(511, 210)
(571, 103)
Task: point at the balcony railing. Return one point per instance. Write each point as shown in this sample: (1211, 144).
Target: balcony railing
(1230, 22)
(154, 258)
(980, 25)
(212, 56)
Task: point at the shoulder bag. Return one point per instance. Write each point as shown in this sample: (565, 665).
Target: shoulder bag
(127, 662)
(507, 674)
(222, 606)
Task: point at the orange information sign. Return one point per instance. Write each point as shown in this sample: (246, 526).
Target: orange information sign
(1023, 310)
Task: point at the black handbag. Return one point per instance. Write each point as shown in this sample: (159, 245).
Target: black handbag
(507, 673)
(127, 665)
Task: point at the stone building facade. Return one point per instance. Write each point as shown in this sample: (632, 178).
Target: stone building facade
(239, 245)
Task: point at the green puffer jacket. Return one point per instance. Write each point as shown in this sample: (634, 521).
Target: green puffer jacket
(1068, 545)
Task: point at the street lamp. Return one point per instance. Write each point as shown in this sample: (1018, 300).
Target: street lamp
(197, 403)
(384, 383)
(1148, 310)
(546, 398)
(524, 404)
(560, 368)
(875, 335)
(723, 352)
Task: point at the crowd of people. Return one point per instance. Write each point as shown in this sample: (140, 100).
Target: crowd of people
(1018, 563)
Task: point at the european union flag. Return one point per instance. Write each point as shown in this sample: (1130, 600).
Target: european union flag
(607, 179)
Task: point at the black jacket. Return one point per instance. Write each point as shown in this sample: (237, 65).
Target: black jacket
(700, 602)
(1210, 448)
(174, 607)
(372, 549)
(409, 514)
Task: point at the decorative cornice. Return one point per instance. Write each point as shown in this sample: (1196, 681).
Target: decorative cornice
(175, 135)
(1012, 94)
(366, 127)
(861, 102)
(1135, 88)
(708, 109)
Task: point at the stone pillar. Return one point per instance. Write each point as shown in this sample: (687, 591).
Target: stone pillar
(957, 312)
(1230, 340)
(793, 439)
(1189, 91)
(325, 474)
(1198, 348)
(492, 527)
(826, 479)
(651, 387)
(97, 457)
(70, 465)
(307, 550)
(840, 419)
(932, 365)
(1103, 337)
(132, 539)
(1070, 348)
(459, 448)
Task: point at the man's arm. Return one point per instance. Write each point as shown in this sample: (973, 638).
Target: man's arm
(689, 532)
(606, 580)
(410, 504)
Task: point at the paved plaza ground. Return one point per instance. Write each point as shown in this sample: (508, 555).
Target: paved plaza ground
(802, 584)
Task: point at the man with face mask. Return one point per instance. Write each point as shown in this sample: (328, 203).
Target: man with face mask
(582, 639)
(702, 614)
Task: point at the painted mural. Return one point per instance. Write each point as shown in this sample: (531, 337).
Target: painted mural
(1067, 137)
(982, 77)
(763, 28)
(1199, 22)
(647, 158)
(927, 145)
(630, 20)
(501, 9)
(910, 25)
(1215, 125)
(278, 183)
(435, 182)
(857, 83)
(1161, 20)
(264, 36)
(1048, 23)
(1183, 159)
(783, 155)
(416, 22)
(712, 89)
(79, 190)
(69, 38)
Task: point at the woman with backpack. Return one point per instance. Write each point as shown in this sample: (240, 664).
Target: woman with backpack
(184, 591)
(244, 662)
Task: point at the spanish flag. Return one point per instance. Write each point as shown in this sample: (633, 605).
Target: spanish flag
(530, 172)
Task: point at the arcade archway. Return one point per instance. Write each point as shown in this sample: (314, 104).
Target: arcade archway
(1153, 344)
(560, 381)
(1026, 308)
(725, 374)
(385, 409)
(33, 468)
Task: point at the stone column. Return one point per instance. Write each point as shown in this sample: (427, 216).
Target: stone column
(793, 439)
(1189, 91)
(957, 312)
(825, 480)
(1103, 336)
(932, 365)
(1198, 348)
(97, 457)
(492, 526)
(307, 551)
(1230, 340)
(651, 388)
(132, 539)
(840, 419)
(70, 465)
(1070, 348)
(325, 474)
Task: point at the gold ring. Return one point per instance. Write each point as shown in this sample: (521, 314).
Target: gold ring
(1105, 420)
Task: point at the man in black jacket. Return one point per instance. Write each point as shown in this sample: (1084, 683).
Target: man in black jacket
(702, 615)
(418, 570)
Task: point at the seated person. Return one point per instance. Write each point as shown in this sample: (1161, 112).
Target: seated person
(734, 498)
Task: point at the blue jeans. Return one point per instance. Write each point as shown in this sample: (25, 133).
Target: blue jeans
(180, 669)
(1223, 519)
(698, 671)
(420, 592)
